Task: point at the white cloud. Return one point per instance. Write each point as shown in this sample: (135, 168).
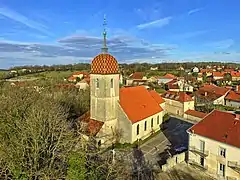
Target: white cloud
(6, 12)
(223, 44)
(194, 11)
(157, 23)
(75, 48)
(192, 34)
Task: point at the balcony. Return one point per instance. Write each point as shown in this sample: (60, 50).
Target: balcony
(230, 178)
(198, 165)
(203, 153)
(234, 165)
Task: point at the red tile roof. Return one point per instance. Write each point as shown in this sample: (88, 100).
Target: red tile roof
(138, 103)
(157, 97)
(235, 74)
(233, 96)
(218, 74)
(211, 92)
(219, 126)
(169, 76)
(195, 113)
(72, 78)
(214, 89)
(104, 64)
(177, 96)
(89, 126)
(137, 75)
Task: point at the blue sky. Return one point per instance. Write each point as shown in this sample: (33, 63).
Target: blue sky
(63, 32)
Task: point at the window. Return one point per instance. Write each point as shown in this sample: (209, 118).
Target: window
(111, 83)
(222, 169)
(152, 122)
(222, 152)
(157, 119)
(138, 129)
(202, 146)
(97, 83)
(145, 126)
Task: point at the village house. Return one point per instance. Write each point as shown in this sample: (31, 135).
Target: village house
(177, 103)
(210, 93)
(165, 79)
(195, 70)
(218, 75)
(179, 85)
(136, 78)
(125, 114)
(154, 68)
(83, 84)
(235, 75)
(76, 75)
(233, 99)
(214, 145)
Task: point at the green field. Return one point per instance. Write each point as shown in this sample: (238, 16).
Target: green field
(59, 75)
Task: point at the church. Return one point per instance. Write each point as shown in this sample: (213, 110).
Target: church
(116, 114)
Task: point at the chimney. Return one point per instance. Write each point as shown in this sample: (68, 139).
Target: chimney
(205, 93)
(237, 117)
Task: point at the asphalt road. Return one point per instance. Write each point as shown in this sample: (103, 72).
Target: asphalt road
(174, 135)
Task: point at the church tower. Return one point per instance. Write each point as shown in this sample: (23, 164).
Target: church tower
(104, 87)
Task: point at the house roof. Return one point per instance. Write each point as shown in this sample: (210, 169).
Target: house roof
(72, 78)
(177, 96)
(156, 96)
(137, 75)
(138, 103)
(89, 126)
(233, 96)
(235, 74)
(218, 74)
(169, 76)
(211, 92)
(219, 126)
(195, 113)
(214, 89)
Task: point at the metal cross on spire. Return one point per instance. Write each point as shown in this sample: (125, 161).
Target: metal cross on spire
(104, 48)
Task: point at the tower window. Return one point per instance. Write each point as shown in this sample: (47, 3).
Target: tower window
(152, 122)
(157, 119)
(97, 83)
(111, 83)
(138, 129)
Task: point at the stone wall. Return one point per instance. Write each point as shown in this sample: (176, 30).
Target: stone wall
(173, 161)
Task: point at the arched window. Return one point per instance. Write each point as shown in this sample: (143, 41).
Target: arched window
(145, 126)
(138, 129)
(152, 122)
(157, 119)
(111, 83)
(97, 83)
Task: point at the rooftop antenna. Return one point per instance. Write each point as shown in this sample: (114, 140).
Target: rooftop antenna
(104, 48)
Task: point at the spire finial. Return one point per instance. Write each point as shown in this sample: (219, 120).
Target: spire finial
(104, 49)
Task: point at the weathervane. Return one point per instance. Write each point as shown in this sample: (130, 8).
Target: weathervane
(104, 49)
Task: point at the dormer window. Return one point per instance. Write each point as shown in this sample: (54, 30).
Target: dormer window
(111, 83)
(97, 83)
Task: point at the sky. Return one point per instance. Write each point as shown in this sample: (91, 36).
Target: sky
(47, 32)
